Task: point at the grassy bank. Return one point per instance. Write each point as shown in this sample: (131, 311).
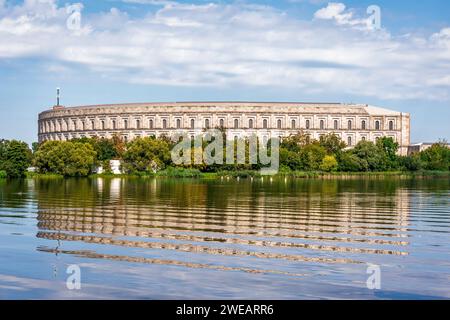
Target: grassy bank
(194, 173)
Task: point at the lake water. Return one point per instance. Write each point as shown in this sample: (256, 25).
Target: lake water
(225, 239)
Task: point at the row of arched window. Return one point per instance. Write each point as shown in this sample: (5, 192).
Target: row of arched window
(236, 124)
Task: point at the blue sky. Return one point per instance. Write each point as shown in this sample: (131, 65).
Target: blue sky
(295, 50)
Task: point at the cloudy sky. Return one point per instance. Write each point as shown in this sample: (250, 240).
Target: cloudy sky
(292, 50)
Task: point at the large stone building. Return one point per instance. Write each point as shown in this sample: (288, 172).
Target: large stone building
(352, 122)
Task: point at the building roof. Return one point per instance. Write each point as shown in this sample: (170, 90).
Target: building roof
(244, 106)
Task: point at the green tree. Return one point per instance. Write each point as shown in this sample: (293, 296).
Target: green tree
(332, 143)
(16, 158)
(329, 164)
(371, 157)
(311, 156)
(68, 158)
(389, 147)
(290, 159)
(146, 154)
(34, 147)
(105, 149)
(295, 142)
(349, 162)
(410, 163)
(437, 157)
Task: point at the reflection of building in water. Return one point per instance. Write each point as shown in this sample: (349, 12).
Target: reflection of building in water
(247, 215)
(114, 189)
(402, 196)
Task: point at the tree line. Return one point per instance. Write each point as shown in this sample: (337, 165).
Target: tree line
(80, 157)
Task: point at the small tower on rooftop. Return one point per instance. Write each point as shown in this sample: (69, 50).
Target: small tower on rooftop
(58, 106)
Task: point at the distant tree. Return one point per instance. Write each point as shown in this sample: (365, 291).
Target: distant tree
(290, 159)
(437, 157)
(295, 142)
(68, 158)
(329, 164)
(119, 145)
(15, 158)
(389, 147)
(371, 157)
(105, 149)
(311, 156)
(410, 163)
(34, 146)
(146, 154)
(332, 143)
(349, 162)
(3, 144)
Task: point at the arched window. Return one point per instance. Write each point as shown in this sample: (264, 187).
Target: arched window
(164, 124)
(363, 138)
(192, 123)
(150, 123)
(377, 125)
(250, 123)
(138, 124)
(125, 138)
(83, 125)
(74, 124)
(322, 124)
(221, 123)
(92, 124)
(103, 124)
(236, 123)
(293, 124)
(363, 125)
(207, 123)
(265, 123)
(125, 124)
(114, 124)
(279, 123)
(349, 141)
(308, 124)
(349, 124)
(391, 125)
(336, 125)
(178, 123)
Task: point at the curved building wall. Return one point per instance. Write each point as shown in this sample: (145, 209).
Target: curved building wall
(352, 122)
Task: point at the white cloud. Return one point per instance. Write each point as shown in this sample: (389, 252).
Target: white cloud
(337, 11)
(233, 45)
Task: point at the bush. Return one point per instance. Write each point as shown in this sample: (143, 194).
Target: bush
(146, 155)
(332, 143)
(290, 159)
(180, 173)
(410, 163)
(311, 156)
(67, 158)
(15, 158)
(329, 164)
(2, 174)
(371, 157)
(437, 157)
(348, 162)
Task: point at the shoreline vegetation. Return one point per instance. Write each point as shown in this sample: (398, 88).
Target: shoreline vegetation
(299, 157)
(188, 173)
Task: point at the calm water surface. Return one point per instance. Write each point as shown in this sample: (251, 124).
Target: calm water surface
(228, 239)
